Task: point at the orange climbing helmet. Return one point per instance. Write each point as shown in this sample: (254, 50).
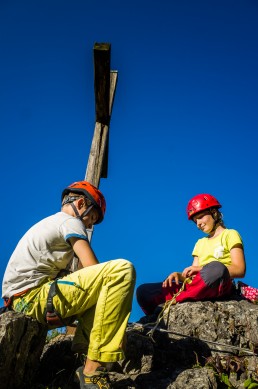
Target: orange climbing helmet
(90, 192)
(201, 202)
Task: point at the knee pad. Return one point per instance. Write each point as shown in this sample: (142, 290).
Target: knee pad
(214, 273)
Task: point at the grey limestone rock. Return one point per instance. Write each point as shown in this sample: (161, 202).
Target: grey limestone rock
(197, 345)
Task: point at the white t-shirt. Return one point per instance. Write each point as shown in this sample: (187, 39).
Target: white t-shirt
(42, 252)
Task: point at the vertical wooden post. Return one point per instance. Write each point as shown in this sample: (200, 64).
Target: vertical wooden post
(105, 84)
(98, 159)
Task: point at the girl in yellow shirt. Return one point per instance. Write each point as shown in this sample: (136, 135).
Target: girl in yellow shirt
(217, 259)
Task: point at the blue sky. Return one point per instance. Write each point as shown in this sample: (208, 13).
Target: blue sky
(184, 121)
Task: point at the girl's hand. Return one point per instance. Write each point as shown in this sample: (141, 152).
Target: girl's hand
(177, 277)
(191, 271)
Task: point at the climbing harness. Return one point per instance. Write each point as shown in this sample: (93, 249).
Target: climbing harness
(52, 317)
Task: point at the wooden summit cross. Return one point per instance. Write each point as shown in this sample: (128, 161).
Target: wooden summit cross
(105, 85)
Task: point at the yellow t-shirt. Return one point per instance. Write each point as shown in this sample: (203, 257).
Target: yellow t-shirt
(218, 248)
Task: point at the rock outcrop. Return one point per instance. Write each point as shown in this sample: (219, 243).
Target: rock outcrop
(196, 342)
(197, 345)
(21, 344)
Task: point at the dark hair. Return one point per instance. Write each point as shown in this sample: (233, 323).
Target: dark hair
(218, 217)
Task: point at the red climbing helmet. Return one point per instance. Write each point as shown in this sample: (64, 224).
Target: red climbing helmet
(201, 202)
(92, 193)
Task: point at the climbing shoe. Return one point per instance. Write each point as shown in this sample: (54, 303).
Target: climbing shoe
(100, 379)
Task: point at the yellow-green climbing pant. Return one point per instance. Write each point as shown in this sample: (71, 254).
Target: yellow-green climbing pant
(99, 296)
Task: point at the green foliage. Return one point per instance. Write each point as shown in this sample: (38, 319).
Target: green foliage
(225, 379)
(225, 367)
(224, 382)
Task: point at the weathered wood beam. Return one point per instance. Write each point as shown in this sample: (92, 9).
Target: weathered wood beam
(98, 157)
(105, 85)
(99, 141)
(102, 81)
(113, 81)
(97, 166)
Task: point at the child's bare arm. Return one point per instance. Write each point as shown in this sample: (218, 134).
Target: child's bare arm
(238, 267)
(84, 252)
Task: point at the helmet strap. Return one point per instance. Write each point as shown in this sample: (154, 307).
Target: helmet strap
(85, 213)
(75, 211)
